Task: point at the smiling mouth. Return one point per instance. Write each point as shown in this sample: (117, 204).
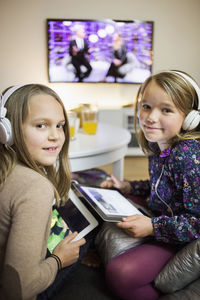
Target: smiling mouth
(50, 149)
(151, 128)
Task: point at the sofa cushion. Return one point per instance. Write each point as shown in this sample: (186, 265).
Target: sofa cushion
(191, 292)
(181, 270)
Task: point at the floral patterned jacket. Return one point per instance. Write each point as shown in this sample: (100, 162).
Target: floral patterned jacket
(173, 192)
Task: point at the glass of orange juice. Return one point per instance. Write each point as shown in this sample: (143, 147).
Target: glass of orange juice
(90, 119)
(72, 116)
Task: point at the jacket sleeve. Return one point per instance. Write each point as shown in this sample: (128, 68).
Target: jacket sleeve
(184, 226)
(140, 188)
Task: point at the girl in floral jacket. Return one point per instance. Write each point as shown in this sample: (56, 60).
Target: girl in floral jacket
(167, 107)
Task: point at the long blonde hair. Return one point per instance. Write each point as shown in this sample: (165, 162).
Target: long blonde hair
(17, 110)
(184, 97)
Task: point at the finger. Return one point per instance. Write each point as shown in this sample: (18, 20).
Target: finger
(106, 184)
(125, 219)
(130, 218)
(110, 183)
(70, 236)
(116, 181)
(126, 225)
(80, 242)
(122, 225)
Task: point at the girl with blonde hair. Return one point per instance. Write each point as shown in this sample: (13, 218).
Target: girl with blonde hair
(34, 175)
(168, 111)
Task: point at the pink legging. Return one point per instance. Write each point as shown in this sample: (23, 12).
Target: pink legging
(131, 274)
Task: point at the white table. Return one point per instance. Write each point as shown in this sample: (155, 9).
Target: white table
(108, 145)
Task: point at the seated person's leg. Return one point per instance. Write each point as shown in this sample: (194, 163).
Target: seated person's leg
(130, 275)
(77, 66)
(86, 63)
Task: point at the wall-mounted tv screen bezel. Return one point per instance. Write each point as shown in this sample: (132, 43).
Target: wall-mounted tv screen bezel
(137, 37)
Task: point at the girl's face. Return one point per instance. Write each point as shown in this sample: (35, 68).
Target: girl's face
(43, 129)
(159, 118)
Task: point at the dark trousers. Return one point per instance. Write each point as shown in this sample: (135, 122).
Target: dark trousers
(114, 71)
(79, 61)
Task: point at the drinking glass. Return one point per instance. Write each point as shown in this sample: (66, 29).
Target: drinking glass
(72, 116)
(90, 119)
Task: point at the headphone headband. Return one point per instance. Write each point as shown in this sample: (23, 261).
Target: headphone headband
(8, 93)
(6, 136)
(4, 98)
(192, 82)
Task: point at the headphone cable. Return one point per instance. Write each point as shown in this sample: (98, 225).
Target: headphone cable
(156, 191)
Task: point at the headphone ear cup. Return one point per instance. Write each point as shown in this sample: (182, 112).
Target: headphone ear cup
(5, 132)
(192, 120)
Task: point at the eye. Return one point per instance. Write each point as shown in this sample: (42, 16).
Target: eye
(167, 110)
(146, 106)
(60, 126)
(41, 125)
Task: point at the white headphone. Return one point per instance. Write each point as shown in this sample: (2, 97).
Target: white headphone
(192, 120)
(6, 136)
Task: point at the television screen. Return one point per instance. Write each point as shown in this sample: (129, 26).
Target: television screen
(99, 50)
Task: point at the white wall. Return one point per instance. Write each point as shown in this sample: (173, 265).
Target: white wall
(23, 46)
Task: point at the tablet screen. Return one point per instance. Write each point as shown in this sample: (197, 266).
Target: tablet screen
(77, 216)
(59, 230)
(75, 219)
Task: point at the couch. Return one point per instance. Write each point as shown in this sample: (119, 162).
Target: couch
(180, 278)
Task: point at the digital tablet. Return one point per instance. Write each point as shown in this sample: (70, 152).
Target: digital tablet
(77, 216)
(110, 205)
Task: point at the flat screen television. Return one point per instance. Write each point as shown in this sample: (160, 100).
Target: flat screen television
(113, 51)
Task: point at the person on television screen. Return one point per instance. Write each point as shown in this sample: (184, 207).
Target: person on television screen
(167, 108)
(119, 58)
(34, 135)
(78, 50)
